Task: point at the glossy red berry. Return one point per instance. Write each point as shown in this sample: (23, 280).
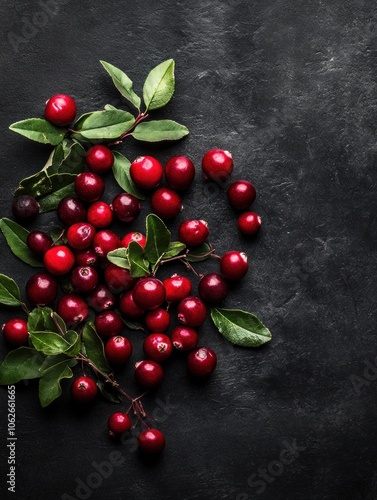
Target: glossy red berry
(41, 289)
(201, 362)
(118, 350)
(86, 257)
(60, 110)
(99, 159)
(179, 172)
(89, 186)
(118, 279)
(128, 307)
(157, 320)
(148, 373)
(184, 338)
(108, 324)
(134, 236)
(241, 194)
(149, 293)
(84, 279)
(249, 223)
(192, 311)
(213, 288)
(166, 203)
(73, 309)
(126, 207)
(151, 442)
(118, 423)
(146, 172)
(177, 288)
(193, 232)
(217, 164)
(81, 235)
(158, 347)
(25, 207)
(71, 210)
(101, 298)
(105, 241)
(15, 332)
(83, 389)
(234, 265)
(59, 260)
(38, 242)
(99, 214)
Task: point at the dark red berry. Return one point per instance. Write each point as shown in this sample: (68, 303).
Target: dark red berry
(99, 159)
(134, 236)
(71, 210)
(73, 309)
(108, 324)
(184, 338)
(166, 203)
(158, 347)
(81, 235)
(118, 423)
(86, 257)
(59, 260)
(192, 311)
(89, 186)
(41, 289)
(146, 172)
(118, 279)
(233, 265)
(101, 299)
(105, 241)
(213, 288)
(15, 332)
(201, 362)
(177, 288)
(38, 242)
(84, 279)
(148, 373)
(100, 214)
(193, 232)
(83, 389)
(128, 307)
(60, 110)
(241, 194)
(151, 442)
(118, 350)
(148, 293)
(25, 207)
(249, 223)
(217, 164)
(126, 207)
(179, 172)
(157, 320)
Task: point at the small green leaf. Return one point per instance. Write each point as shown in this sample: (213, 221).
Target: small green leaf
(51, 201)
(9, 291)
(94, 348)
(69, 158)
(138, 265)
(159, 130)
(202, 252)
(49, 384)
(49, 343)
(44, 318)
(75, 343)
(119, 257)
(51, 361)
(122, 83)
(159, 85)
(39, 130)
(15, 236)
(158, 238)
(102, 125)
(20, 364)
(240, 327)
(174, 249)
(108, 392)
(121, 171)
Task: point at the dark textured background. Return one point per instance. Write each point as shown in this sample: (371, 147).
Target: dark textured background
(290, 89)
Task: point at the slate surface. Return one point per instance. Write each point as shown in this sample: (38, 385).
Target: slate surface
(290, 89)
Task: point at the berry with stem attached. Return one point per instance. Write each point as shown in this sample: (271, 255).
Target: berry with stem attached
(151, 442)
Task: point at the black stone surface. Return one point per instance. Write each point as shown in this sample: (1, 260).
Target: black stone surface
(290, 88)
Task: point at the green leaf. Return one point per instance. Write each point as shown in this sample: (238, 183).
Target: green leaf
(51, 201)
(119, 257)
(240, 327)
(15, 236)
(94, 348)
(122, 83)
(49, 343)
(44, 318)
(68, 158)
(9, 291)
(107, 124)
(39, 130)
(159, 85)
(35, 185)
(138, 265)
(75, 342)
(20, 364)
(174, 249)
(49, 384)
(159, 130)
(158, 238)
(109, 107)
(108, 392)
(202, 252)
(121, 171)
(51, 361)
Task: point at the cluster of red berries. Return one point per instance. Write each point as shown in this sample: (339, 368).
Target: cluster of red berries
(96, 283)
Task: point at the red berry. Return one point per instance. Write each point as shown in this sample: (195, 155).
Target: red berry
(217, 164)
(146, 172)
(100, 214)
(128, 307)
(249, 223)
(25, 207)
(148, 293)
(15, 332)
(60, 110)
(201, 362)
(108, 324)
(81, 235)
(134, 236)
(177, 288)
(241, 194)
(151, 442)
(157, 320)
(118, 350)
(105, 241)
(179, 172)
(126, 207)
(193, 232)
(89, 187)
(148, 373)
(184, 338)
(73, 309)
(84, 389)
(59, 260)
(86, 257)
(84, 279)
(233, 265)
(71, 210)
(158, 347)
(166, 203)
(99, 159)
(192, 311)
(118, 279)
(38, 242)
(41, 289)
(213, 288)
(118, 423)
(101, 299)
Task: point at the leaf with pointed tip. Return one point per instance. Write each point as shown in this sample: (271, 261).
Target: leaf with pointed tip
(9, 291)
(121, 171)
(159, 130)
(104, 125)
(94, 348)
(158, 238)
(139, 266)
(123, 83)
(16, 236)
(174, 249)
(159, 85)
(20, 364)
(39, 130)
(49, 343)
(119, 257)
